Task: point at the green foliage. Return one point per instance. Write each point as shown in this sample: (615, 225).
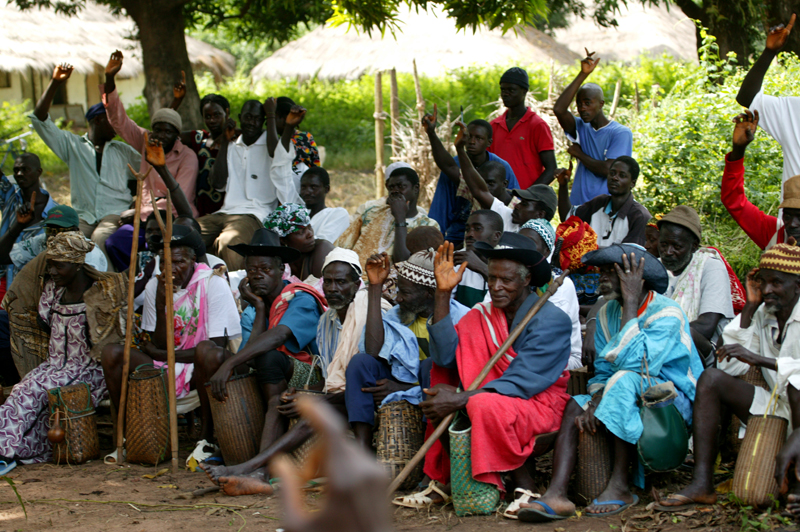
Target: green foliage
(14, 121)
(19, 498)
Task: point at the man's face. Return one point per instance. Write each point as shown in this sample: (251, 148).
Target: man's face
(526, 210)
(399, 184)
(620, 181)
(496, 182)
(791, 223)
(340, 284)
(478, 229)
(312, 190)
(412, 298)
(214, 117)
(302, 240)
(102, 128)
(676, 246)
(26, 172)
(506, 285)
(512, 94)
(183, 260)
(251, 120)
(151, 230)
(589, 104)
(608, 284)
(166, 133)
(779, 290)
(62, 273)
(478, 140)
(264, 274)
(651, 240)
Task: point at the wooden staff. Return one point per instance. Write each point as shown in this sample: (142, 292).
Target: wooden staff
(126, 357)
(170, 308)
(477, 382)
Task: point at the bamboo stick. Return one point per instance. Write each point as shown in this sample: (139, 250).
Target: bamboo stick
(477, 382)
(379, 134)
(395, 114)
(614, 104)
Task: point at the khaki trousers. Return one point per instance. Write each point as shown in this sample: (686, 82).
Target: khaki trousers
(223, 230)
(99, 231)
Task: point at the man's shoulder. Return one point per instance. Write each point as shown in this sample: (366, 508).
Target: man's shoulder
(117, 145)
(637, 208)
(594, 204)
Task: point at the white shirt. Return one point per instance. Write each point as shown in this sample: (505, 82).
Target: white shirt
(257, 182)
(505, 213)
(330, 223)
(780, 117)
(138, 301)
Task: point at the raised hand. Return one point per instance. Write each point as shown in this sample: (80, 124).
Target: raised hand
(25, 212)
(295, 116)
(630, 274)
(114, 64)
(753, 287)
(745, 129)
(461, 137)
(589, 63)
(154, 152)
(447, 277)
(398, 205)
(62, 72)
(378, 268)
(429, 121)
(270, 107)
(563, 175)
(778, 35)
(179, 89)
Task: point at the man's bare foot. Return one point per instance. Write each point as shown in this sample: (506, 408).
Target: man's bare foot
(235, 486)
(215, 473)
(793, 506)
(689, 495)
(560, 505)
(611, 493)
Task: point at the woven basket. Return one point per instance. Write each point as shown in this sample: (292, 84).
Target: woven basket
(470, 497)
(755, 377)
(400, 434)
(754, 479)
(77, 418)
(300, 455)
(594, 465)
(304, 375)
(147, 417)
(578, 381)
(239, 421)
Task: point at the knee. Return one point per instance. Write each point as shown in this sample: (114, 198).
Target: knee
(711, 380)
(359, 367)
(112, 356)
(207, 354)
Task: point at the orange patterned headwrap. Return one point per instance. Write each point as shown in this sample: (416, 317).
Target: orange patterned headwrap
(579, 239)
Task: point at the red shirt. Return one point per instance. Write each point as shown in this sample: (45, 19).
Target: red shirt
(759, 226)
(521, 146)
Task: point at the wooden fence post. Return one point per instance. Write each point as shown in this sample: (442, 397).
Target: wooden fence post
(379, 133)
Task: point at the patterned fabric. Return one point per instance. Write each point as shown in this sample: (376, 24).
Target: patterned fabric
(418, 268)
(70, 246)
(783, 258)
(544, 229)
(579, 239)
(287, 219)
(24, 416)
(208, 200)
(281, 305)
(305, 150)
(688, 284)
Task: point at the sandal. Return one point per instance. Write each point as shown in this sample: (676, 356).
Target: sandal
(7, 466)
(113, 459)
(686, 504)
(521, 496)
(200, 454)
(421, 500)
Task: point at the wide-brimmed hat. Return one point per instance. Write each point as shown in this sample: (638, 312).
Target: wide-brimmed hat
(655, 274)
(182, 236)
(265, 243)
(513, 246)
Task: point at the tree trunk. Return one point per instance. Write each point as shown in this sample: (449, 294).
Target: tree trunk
(716, 15)
(161, 34)
(779, 12)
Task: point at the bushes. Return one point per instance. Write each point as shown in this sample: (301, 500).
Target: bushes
(14, 121)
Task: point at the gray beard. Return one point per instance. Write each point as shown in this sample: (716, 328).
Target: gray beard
(772, 308)
(612, 296)
(406, 316)
(338, 306)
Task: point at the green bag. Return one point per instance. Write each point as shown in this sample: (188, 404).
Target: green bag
(470, 497)
(664, 442)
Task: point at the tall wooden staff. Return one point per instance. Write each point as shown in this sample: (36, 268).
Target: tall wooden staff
(126, 358)
(170, 308)
(477, 382)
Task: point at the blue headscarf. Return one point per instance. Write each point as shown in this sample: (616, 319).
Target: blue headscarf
(95, 110)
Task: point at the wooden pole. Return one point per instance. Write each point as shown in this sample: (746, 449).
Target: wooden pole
(126, 357)
(418, 91)
(477, 382)
(614, 104)
(379, 134)
(395, 114)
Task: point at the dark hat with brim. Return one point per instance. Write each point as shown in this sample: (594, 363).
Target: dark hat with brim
(182, 236)
(266, 243)
(655, 274)
(544, 194)
(513, 246)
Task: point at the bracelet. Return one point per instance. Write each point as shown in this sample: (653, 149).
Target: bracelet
(404, 224)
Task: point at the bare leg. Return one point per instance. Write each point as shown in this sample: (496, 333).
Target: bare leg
(112, 360)
(791, 446)
(617, 489)
(208, 357)
(363, 432)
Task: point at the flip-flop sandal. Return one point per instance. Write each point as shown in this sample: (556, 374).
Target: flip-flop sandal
(521, 495)
(532, 515)
(421, 499)
(113, 459)
(6, 467)
(622, 507)
(687, 504)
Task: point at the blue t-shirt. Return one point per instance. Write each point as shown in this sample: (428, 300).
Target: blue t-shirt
(450, 211)
(609, 142)
(301, 317)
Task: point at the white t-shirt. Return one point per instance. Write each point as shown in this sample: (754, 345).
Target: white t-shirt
(780, 117)
(505, 213)
(213, 262)
(330, 223)
(222, 312)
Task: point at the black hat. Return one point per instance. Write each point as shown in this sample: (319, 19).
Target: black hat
(517, 76)
(266, 243)
(182, 236)
(513, 246)
(654, 275)
(544, 194)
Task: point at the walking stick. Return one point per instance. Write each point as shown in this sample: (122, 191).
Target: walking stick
(170, 308)
(126, 357)
(477, 382)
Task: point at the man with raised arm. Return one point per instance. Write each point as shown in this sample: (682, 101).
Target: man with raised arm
(98, 165)
(597, 140)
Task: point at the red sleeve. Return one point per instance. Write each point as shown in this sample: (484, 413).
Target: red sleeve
(760, 227)
(540, 135)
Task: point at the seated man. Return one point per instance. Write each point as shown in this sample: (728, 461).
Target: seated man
(328, 222)
(255, 183)
(205, 307)
(482, 226)
(636, 322)
(751, 339)
(525, 392)
(292, 223)
(24, 205)
(763, 229)
(382, 225)
(698, 279)
(651, 234)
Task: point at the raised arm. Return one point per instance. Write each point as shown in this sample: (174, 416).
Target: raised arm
(218, 177)
(178, 92)
(270, 108)
(61, 74)
(475, 183)
(126, 128)
(776, 40)
(561, 107)
(377, 272)
(293, 119)
(154, 153)
(441, 157)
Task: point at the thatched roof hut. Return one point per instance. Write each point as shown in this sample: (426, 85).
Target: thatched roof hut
(334, 53)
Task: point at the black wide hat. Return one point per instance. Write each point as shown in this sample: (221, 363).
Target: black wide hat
(655, 274)
(182, 236)
(266, 243)
(513, 246)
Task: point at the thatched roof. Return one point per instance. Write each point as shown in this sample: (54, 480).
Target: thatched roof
(430, 37)
(651, 30)
(39, 38)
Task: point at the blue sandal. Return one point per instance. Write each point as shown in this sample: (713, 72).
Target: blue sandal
(6, 467)
(622, 507)
(531, 515)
